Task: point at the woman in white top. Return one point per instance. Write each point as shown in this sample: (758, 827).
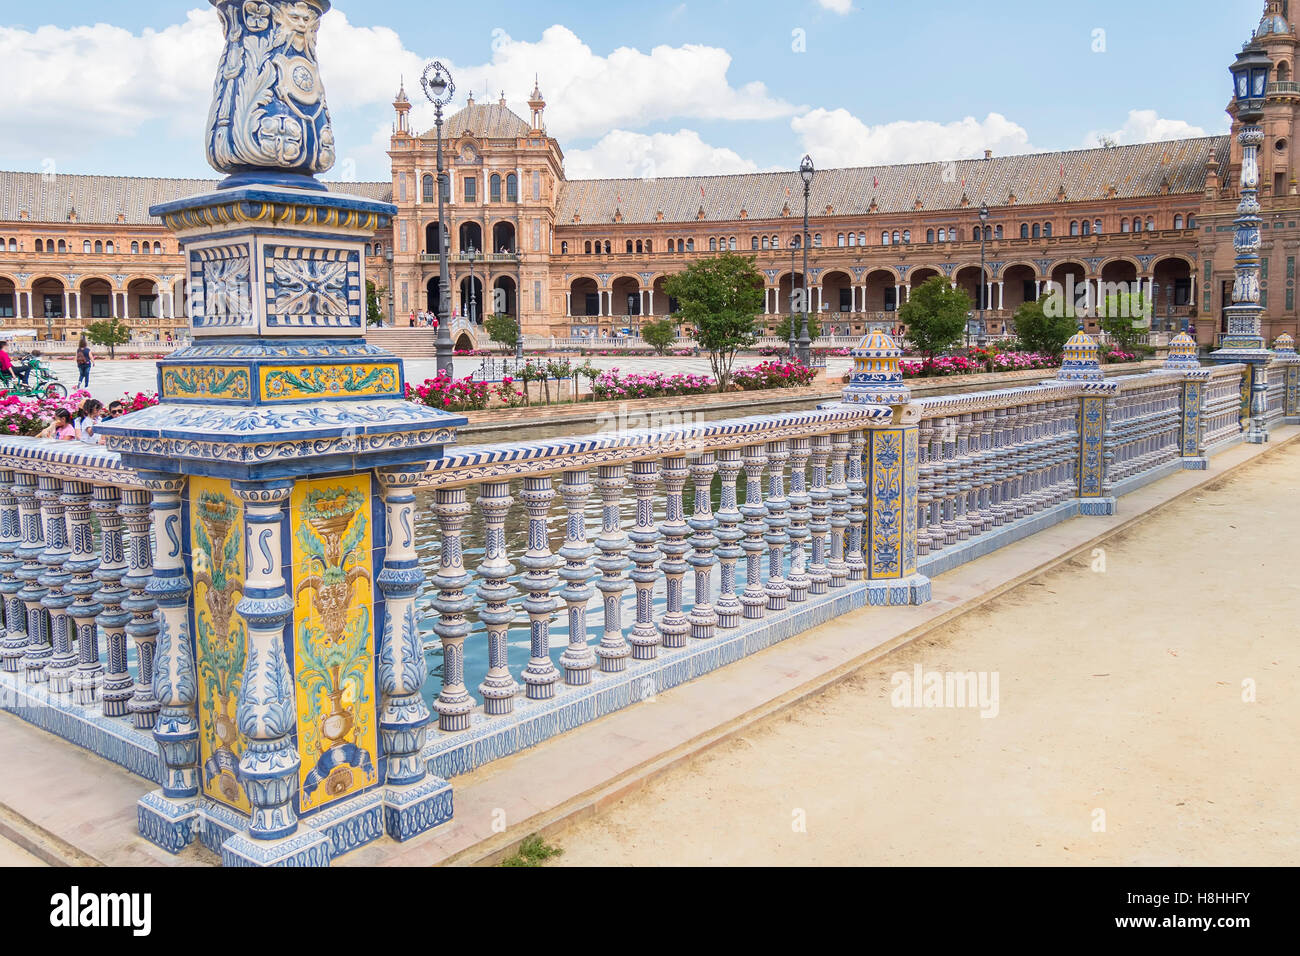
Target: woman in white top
(88, 416)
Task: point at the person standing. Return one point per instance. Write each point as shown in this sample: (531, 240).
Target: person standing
(83, 363)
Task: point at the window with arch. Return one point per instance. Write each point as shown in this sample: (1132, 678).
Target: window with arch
(767, 243)
(40, 245)
(884, 237)
(895, 237)
(713, 244)
(1074, 227)
(85, 245)
(607, 247)
(907, 235)
(681, 245)
(1178, 221)
(690, 245)
(753, 242)
(1037, 231)
(817, 240)
(564, 247)
(1047, 230)
(379, 248)
(157, 248)
(1123, 225)
(649, 246)
(988, 232)
(494, 187)
(1096, 227)
(1137, 224)
(108, 247)
(99, 247)
(1151, 224)
(369, 251)
(731, 243)
(629, 246)
(63, 246)
(13, 245)
(587, 247)
(795, 241)
(862, 238)
(975, 234)
(997, 232)
(839, 239)
(776, 242)
(929, 235)
(1191, 223)
(426, 188)
(1086, 229)
(512, 188)
(853, 239)
(1024, 230)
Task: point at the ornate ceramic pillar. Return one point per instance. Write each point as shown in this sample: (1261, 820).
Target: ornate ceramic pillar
(14, 643)
(454, 703)
(674, 627)
(1182, 358)
(776, 538)
(839, 508)
(143, 626)
(730, 535)
(541, 675)
(498, 688)
(63, 660)
(798, 580)
(1284, 355)
(1080, 365)
(754, 598)
(644, 637)
(578, 658)
(703, 617)
(820, 527)
(613, 563)
(112, 567)
(85, 610)
(855, 559)
(36, 656)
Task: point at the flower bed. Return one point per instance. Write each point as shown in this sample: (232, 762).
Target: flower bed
(612, 385)
(772, 375)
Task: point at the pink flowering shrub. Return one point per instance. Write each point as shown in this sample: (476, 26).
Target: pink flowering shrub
(613, 385)
(452, 395)
(28, 416)
(506, 393)
(1115, 355)
(772, 374)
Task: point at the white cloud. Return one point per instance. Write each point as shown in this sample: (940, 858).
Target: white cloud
(623, 154)
(1146, 126)
(838, 138)
(842, 7)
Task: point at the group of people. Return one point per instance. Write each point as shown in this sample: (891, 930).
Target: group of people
(424, 320)
(82, 425)
(9, 371)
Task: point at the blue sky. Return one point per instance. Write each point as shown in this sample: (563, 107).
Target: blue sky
(656, 89)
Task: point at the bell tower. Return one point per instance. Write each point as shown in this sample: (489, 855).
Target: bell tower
(402, 106)
(537, 105)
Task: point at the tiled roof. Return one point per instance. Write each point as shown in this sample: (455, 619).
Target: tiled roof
(99, 199)
(1086, 174)
(488, 120)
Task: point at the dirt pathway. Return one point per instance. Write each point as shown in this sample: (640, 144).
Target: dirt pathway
(1121, 734)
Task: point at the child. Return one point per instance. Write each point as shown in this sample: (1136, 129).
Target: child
(88, 416)
(61, 428)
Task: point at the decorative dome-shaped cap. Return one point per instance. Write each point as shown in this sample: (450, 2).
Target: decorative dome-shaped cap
(1182, 352)
(1079, 362)
(877, 377)
(1285, 344)
(1271, 24)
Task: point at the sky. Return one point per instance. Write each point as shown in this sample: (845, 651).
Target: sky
(647, 89)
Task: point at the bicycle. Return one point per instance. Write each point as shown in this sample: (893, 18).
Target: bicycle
(41, 382)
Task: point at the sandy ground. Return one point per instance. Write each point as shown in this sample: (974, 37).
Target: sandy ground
(11, 854)
(1121, 736)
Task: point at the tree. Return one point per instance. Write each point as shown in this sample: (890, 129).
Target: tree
(1125, 317)
(110, 332)
(659, 334)
(374, 306)
(935, 315)
(720, 297)
(502, 329)
(1040, 332)
(783, 330)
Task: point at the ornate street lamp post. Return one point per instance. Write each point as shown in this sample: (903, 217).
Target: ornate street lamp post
(439, 88)
(470, 254)
(1243, 341)
(980, 329)
(791, 336)
(806, 171)
(388, 257)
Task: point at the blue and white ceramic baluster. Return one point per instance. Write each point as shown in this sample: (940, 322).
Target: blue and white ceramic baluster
(143, 626)
(613, 650)
(798, 580)
(963, 471)
(14, 644)
(56, 601)
(267, 710)
(644, 637)
(454, 703)
(839, 510)
(778, 591)
(924, 484)
(39, 650)
(402, 669)
(1001, 468)
(855, 558)
(703, 616)
(175, 680)
(754, 598)
(819, 527)
(541, 675)
(578, 659)
(110, 594)
(673, 626)
(85, 610)
(498, 688)
(729, 535)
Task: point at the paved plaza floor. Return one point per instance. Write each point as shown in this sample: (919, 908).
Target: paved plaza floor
(110, 378)
(1122, 734)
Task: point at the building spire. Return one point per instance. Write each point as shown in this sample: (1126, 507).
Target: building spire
(536, 103)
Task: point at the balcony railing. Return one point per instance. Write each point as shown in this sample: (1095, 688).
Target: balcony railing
(460, 257)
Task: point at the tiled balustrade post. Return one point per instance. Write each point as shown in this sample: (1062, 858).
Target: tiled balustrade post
(754, 599)
(962, 470)
(578, 659)
(798, 516)
(839, 510)
(36, 656)
(613, 562)
(498, 688)
(63, 660)
(730, 535)
(113, 618)
(85, 609)
(703, 618)
(14, 643)
(855, 559)
(169, 816)
(143, 626)
(674, 626)
(541, 675)
(454, 702)
(819, 528)
(1095, 426)
(644, 535)
(777, 589)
